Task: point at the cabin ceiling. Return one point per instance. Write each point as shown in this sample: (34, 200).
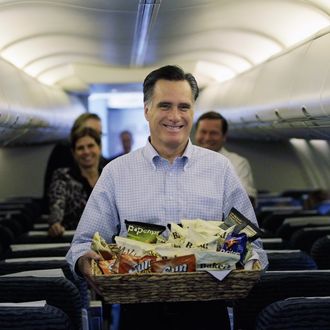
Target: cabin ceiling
(74, 44)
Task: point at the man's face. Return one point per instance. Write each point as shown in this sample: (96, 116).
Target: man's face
(170, 115)
(209, 134)
(126, 140)
(94, 124)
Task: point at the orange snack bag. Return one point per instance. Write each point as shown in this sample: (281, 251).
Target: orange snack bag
(132, 264)
(181, 264)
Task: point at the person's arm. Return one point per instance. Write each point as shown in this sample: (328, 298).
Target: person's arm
(57, 202)
(100, 215)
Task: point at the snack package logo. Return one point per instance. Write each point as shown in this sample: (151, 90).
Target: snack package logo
(214, 265)
(179, 268)
(144, 232)
(141, 267)
(138, 231)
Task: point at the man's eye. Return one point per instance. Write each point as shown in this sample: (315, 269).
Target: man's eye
(165, 106)
(185, 107)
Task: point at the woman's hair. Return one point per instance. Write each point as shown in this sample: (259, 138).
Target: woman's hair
(168, 72)
(85, 131)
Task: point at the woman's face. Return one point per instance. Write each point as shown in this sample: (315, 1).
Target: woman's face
(87, 152)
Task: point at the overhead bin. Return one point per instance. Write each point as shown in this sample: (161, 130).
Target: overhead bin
(287, 96)
(31, 112)
(305, 100)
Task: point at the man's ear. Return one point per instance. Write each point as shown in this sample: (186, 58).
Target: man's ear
(146, 112)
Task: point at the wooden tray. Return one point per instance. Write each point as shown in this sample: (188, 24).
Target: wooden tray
(154, 287)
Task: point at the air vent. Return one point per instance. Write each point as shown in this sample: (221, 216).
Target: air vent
(306, 113)
(278, 115)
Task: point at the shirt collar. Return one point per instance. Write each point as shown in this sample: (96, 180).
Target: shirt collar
(154, 158)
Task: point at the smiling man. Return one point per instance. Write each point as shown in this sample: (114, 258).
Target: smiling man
(167, 180)
(211, 133)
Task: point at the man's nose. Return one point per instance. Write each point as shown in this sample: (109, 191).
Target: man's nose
(174, 113)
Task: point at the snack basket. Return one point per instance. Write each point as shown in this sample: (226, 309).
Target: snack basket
(170, 287)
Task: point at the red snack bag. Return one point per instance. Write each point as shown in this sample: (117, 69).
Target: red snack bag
(108, 266)
(132, 264)
(181, 264)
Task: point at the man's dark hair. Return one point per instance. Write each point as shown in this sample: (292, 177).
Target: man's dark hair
(214, 115)
(168, 72)
(80, 121)
(82, 132)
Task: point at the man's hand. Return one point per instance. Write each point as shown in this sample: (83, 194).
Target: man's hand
(56, 230)
(84, 263)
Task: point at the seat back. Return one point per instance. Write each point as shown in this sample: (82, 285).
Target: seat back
(14, 267)
(290, 225)
(304, 238)
(34, 318)
(289, 260)
(57, 291)
(274, 220)
(279, 285)
(296, 313)
(320, 252)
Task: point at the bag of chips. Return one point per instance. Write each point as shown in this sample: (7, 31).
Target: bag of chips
(144, 232)
(181, 264)
(133, 264)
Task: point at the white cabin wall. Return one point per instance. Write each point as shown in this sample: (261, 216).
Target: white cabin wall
(279, 166)
(22, 170)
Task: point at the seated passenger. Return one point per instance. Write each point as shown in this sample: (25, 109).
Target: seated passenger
(71, 186)
(61, 155)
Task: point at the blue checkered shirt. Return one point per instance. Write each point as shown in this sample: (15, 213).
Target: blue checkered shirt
(142, 186)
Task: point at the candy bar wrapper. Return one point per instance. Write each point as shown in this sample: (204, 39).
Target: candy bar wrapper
(236, 244)
(242, 225)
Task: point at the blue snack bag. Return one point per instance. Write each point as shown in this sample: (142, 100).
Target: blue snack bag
(236, 243)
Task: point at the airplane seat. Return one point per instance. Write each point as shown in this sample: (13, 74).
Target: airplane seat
(278, 285)
(324, 208)
(266, 211)
(41, 236)
(304, 238)
(6, 238)
(299, 195)
(296, 313)
(32, 205)
(13, 224)
(57, 291)
(33, 318)
(12, 266)
(290, 225)
(274, 220)
(320, 252)
(289, 260)
(275, 243)
(37, 250)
